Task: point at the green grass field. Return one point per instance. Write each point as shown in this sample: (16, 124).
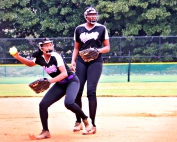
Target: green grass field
(103, 79)
(127, 89)
(146, 80)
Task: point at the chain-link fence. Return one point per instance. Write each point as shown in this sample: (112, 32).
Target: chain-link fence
(123, 49)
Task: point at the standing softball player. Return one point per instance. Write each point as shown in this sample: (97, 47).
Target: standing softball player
(86, 36)
(65, 82)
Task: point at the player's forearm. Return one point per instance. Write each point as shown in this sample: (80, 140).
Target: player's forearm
(24, 61)
(104, 49)
(74, 55)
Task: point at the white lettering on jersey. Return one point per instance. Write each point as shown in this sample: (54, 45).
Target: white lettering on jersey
(87, 36)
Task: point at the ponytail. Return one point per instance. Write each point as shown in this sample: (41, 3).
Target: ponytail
(37, 53)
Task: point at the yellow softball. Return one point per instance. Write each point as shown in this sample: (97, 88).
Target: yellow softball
(13, 50)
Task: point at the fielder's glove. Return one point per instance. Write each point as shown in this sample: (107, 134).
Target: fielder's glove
(40, 85)
(89, 54)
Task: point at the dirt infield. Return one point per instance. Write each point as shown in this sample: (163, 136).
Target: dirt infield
(119, 119)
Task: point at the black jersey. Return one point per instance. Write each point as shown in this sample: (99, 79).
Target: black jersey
(51, 67)
(90, 38)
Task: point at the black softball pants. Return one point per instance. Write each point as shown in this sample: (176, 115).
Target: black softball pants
(55, 93)
(91, 73)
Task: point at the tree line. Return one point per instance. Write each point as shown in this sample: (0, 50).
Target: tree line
(58, 18)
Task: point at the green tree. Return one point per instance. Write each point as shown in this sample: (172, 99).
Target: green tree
(32, 18)
(139, 17)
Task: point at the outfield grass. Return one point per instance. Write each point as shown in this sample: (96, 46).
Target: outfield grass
(103, 79)
(138, 89)
(14, 80)
(127, 89)
(138, 78)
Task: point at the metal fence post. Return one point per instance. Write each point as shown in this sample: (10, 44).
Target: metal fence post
(129, 66)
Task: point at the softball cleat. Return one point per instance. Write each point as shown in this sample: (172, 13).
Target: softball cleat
(87, 124)
(77, 127)
(43, 135)
(92, 131)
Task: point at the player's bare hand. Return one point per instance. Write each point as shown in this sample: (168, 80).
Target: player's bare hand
(73, 67)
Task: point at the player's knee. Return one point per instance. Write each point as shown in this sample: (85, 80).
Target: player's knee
(69, 105)
(43, 105)
(91, 96)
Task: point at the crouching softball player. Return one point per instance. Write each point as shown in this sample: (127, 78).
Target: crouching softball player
(65, 83)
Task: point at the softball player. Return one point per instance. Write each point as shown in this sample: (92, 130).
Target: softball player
(65, 82)
(89, 34)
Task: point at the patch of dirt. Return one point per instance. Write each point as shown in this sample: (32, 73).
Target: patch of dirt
(129, 119)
